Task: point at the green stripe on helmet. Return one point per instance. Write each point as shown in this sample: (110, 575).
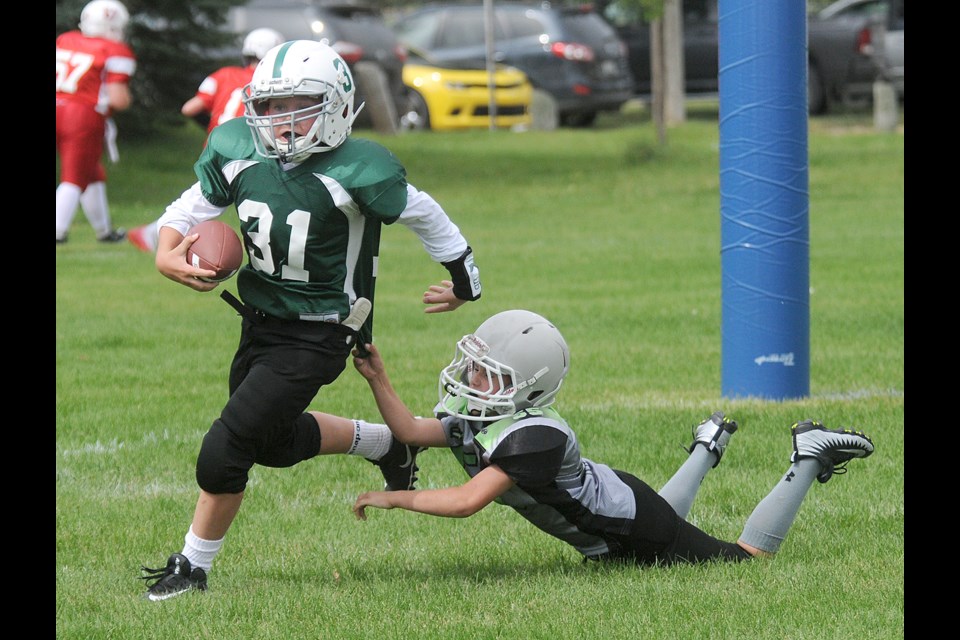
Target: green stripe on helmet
(281, 55)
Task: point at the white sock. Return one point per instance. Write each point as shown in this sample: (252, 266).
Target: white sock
(200, 552)
(68, 199)
(95, 207)
(372, 441)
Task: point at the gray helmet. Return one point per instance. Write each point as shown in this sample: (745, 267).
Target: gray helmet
(525, 359)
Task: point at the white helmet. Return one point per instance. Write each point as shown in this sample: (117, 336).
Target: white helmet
(517, 344)
(104, 19)
(259, 41)
(301, 68)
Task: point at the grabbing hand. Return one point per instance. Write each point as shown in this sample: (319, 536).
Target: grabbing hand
(370, 365)
(442, 298)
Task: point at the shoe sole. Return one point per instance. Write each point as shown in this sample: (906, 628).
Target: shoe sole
(155, 598)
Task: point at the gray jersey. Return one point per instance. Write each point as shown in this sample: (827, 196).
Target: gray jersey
(570, 497)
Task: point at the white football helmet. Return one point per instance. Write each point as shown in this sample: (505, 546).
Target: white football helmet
(104, 19)
(522, 354)
(259, 41)
(301, 68)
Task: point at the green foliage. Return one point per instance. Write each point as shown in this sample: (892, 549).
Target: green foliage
(177, 43)
(650, 9)
(613, 237)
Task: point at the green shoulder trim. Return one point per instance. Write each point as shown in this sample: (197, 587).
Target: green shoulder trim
(490, 433)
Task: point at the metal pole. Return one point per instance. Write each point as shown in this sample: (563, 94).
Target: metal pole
(488, 18)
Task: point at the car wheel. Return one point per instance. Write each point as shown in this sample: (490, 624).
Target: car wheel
(579, 120)
(816, 93)
(415, 116)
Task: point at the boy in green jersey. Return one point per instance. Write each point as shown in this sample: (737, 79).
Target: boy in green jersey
(312, 202)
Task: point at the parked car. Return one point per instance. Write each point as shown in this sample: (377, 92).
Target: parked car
(457, 96)
(572, 54)
(700, 37)
(846, 45)
(893, 46)
(842, 57)
(356, 30)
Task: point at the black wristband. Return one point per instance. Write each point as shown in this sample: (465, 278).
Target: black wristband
(465, 276)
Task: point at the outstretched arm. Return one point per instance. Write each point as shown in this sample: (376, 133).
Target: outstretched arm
(450, 502)
(407, 428)
(441, 238)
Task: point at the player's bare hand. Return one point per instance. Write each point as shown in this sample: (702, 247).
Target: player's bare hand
(173, 264)
(369, 364)
(378, 499)
(441, 297)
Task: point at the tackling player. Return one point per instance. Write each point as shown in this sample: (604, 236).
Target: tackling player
(94, 67)
(312, 202)
(496, 414)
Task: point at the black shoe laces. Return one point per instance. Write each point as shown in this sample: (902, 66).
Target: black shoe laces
(840, 469)
(155, 574)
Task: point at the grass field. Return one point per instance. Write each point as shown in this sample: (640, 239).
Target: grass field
(613, 238)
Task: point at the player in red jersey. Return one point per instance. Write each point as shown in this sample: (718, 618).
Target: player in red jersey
(220, 94)
(94, 66)
(218, 99)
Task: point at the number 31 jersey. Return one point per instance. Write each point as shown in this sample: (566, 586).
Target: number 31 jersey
(312, 231)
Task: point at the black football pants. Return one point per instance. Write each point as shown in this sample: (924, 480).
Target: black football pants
(276, 372)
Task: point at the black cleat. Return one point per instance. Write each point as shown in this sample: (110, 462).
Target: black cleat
(176, 578)
(115, 235)
(714, 434)
(834, 448)
(399, 466)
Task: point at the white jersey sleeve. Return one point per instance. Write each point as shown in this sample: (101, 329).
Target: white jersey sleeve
(424, 216)
(189, 209)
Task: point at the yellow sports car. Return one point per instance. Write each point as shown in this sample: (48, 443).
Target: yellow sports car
(448, 98)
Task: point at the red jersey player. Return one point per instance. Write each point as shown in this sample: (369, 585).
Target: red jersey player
(219, 95)
(94, 67)
(218, 99)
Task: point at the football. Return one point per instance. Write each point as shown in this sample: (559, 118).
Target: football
(218, 248)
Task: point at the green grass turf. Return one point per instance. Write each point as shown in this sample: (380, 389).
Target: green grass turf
(615, 239)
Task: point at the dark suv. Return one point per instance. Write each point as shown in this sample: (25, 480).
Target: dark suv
(842, 54)
(572, 54)
(700, 35)
(356, 30)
